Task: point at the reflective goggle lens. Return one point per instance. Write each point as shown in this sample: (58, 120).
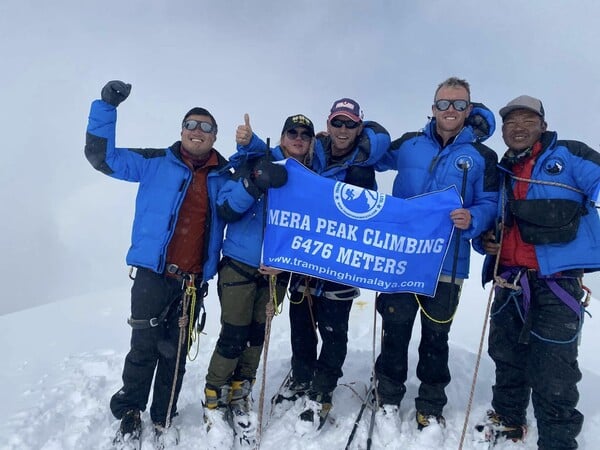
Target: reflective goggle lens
(191, 125)
(350, 124)
(459, 105)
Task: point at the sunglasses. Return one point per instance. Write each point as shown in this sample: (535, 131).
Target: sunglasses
(293, 134)
(349, 124)
(192, 125)
(458, 105)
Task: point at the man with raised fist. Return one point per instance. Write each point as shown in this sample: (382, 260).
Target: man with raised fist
(176, 241)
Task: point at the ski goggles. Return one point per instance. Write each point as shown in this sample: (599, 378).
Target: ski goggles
(192, 125)
(458, 105)
(349, 124)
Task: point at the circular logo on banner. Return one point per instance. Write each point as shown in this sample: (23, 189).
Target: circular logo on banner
(356, 202)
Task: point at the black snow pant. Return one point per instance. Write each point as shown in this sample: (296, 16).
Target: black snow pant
(398, 312)
(535, 353)
(331, 320)
(153, 349)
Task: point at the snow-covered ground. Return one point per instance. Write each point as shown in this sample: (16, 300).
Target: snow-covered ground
(63, 361)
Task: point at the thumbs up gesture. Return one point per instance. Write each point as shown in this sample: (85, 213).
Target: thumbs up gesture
(243, 134)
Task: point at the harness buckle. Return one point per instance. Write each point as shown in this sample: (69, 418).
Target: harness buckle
(588, 295)
(143, 324)
(173, 269)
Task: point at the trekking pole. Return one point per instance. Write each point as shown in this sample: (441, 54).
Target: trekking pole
(357, 421)
(476, 371)
(190, 292)
(372, 389)
(371, 426)
(375, 407)
(485, 321)
(269, 313)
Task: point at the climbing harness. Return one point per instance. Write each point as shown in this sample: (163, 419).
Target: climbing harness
(520, 295)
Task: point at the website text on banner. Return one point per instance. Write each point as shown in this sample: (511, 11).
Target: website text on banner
(343, 233)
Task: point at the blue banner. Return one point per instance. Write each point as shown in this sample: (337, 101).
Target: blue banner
(355, 236)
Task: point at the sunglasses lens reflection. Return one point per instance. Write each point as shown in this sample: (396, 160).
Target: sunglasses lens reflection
(191, 125)
(293, 134)
(459, 105)
(349, 124)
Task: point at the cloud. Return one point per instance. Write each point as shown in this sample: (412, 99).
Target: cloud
(269, 59)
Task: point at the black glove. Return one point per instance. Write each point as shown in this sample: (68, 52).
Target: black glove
(362, 176)
(267, 175)
(114, 92)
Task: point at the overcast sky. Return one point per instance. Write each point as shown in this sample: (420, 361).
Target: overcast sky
(66, 227)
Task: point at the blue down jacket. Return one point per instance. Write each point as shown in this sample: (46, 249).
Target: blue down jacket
(245, 215)
(163, 181)
(567, 170)
(423, 166)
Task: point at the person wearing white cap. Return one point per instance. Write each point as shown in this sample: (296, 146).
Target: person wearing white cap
(546, 239)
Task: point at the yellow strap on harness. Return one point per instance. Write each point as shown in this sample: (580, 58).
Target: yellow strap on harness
(190, 294)
(277, 305)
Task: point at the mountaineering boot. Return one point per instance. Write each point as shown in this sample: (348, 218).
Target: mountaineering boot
(316, 409)
(425, 420)
(165, 437)
(240, 394)
(292, 390)
(217, 397)
(493, 427)
(240, 416)
(218, 431)
(130, 431)
(216, 402)
(387, 423)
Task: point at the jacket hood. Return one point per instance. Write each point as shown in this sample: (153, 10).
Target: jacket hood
(482, 121)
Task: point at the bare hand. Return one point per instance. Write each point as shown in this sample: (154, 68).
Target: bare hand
(243, 134)
(461, 218)
(490, 246)
(266, 270)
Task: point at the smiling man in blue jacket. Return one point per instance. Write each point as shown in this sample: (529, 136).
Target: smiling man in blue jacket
(447, 152)
(176, 243)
